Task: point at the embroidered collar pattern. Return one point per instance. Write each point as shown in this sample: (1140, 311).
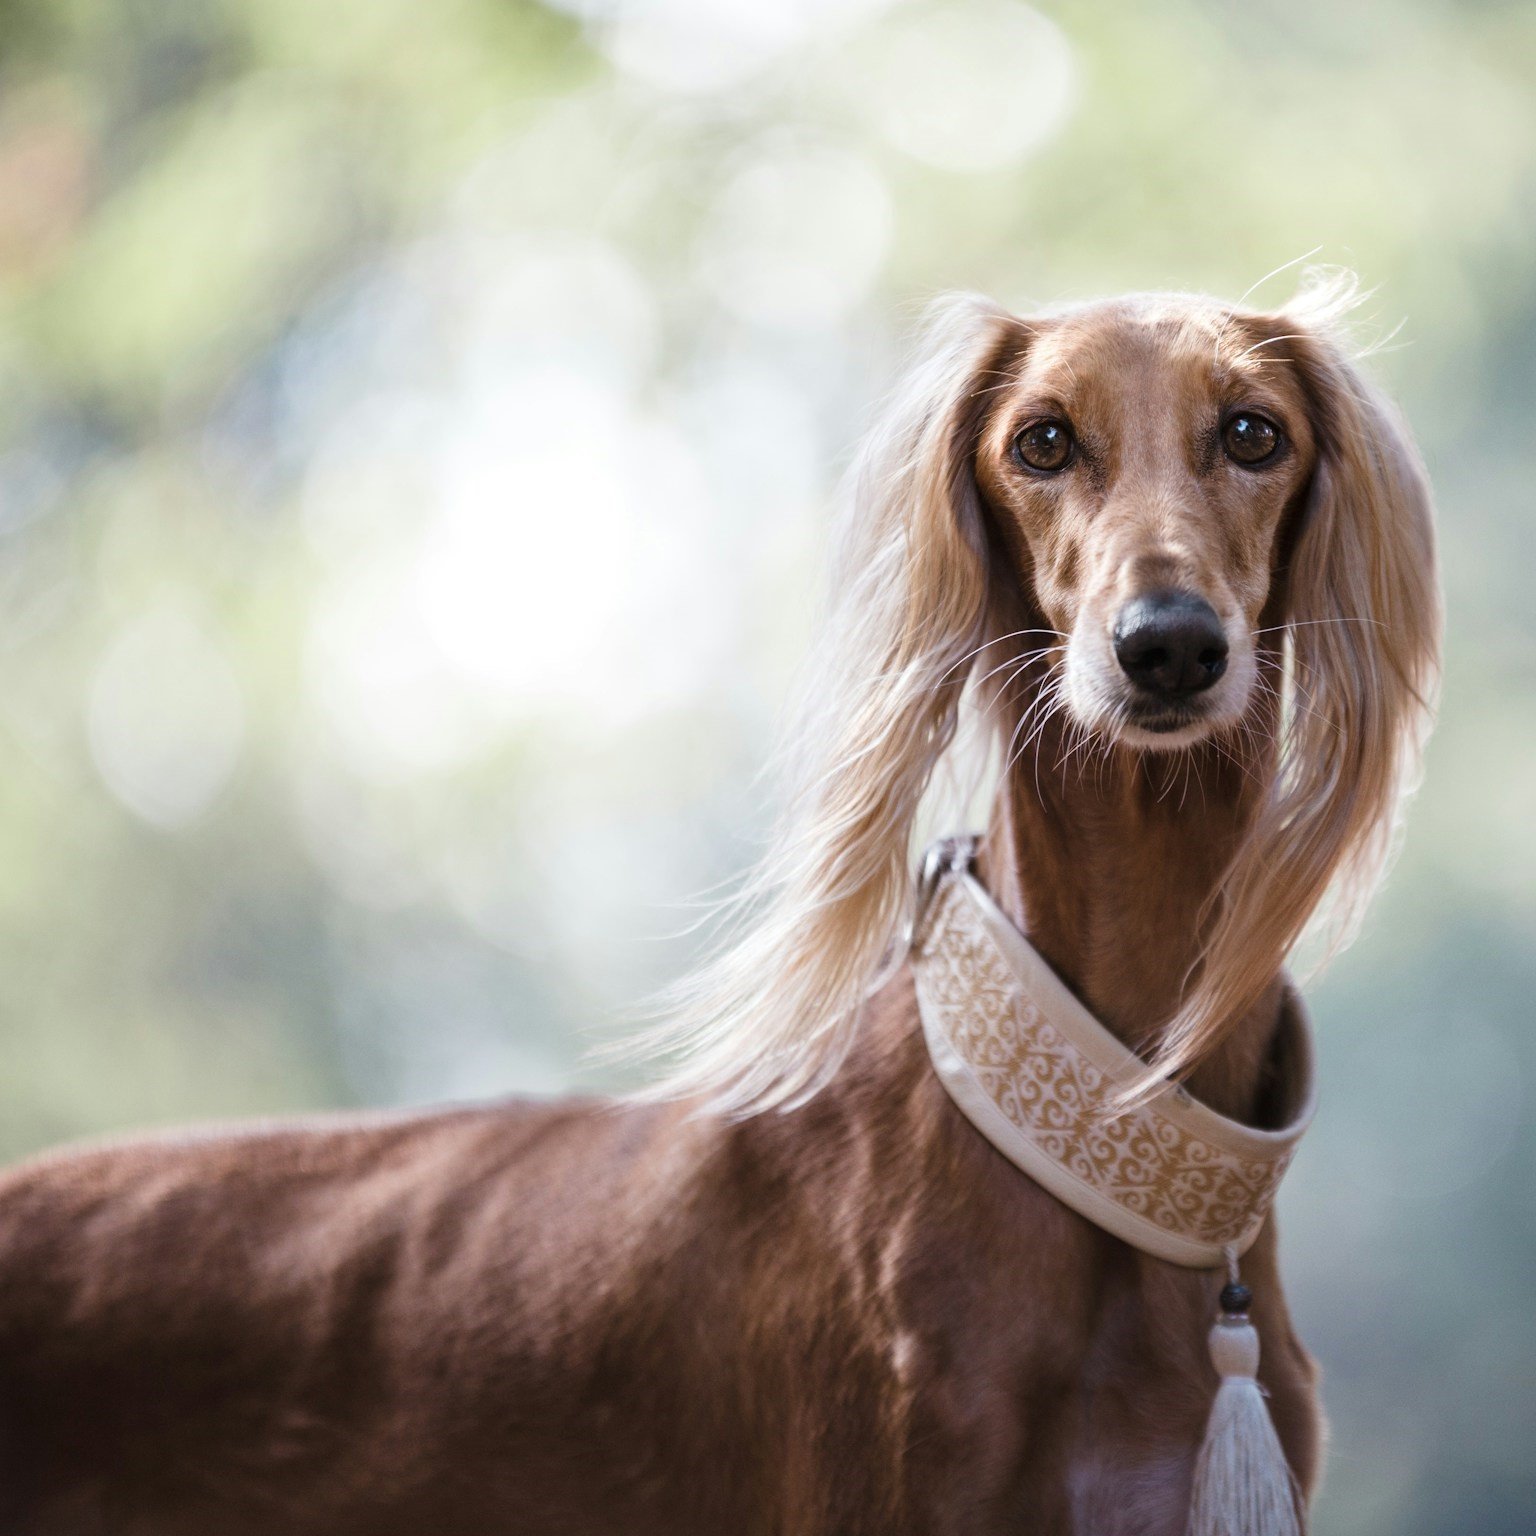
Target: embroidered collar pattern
(1038, 1075)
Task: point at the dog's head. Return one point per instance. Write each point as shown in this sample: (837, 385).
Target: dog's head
(1146, 463)
(1178, 486)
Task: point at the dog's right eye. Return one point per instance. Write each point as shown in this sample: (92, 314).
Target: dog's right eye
(1250, 439)
(1044, 446)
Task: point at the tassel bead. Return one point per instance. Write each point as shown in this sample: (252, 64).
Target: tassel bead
(1236, 1297)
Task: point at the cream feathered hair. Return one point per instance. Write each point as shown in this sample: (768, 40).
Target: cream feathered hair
(818, 926)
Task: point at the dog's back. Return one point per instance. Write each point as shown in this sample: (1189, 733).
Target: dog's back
(311, 1328)
(520, 1317)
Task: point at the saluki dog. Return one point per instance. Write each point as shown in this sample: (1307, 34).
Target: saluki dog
(1166, 565)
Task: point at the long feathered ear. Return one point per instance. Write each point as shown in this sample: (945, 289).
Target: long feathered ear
(1362, 615)
(766, 1021)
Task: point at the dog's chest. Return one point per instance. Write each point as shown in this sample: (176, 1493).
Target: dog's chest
(1038, 1394)
(1008, 1440)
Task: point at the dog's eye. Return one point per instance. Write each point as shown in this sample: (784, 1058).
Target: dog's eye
(1249, 438)
(1044, 446)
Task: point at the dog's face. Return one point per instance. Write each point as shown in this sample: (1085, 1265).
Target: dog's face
(1140, 459)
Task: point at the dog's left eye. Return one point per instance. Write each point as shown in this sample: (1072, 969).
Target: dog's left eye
(1249, 438)
(1044, 446)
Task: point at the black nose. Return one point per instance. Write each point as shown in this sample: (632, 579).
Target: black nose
(1170, 643)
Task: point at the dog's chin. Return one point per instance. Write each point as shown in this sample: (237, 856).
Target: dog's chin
(1163, 729)
(1148, 725)
(1143, 728)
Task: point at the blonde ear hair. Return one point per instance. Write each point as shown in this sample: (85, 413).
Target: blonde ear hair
(1362, 635)
(770, 1017)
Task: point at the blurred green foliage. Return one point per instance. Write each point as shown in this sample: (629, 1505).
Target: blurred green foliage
(418, 424)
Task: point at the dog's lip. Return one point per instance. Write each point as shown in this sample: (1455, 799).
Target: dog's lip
(1162, 721)
(1153, 727)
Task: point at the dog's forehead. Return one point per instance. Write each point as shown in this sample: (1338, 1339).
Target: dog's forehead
(1148, 345)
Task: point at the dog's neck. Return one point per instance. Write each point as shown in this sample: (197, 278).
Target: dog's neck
(1108, 865)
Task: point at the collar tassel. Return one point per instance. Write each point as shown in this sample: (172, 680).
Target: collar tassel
(1243, 1483)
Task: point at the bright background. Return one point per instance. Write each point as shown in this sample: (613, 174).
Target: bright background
(418, 425)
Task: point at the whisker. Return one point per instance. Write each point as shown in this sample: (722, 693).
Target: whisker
(1013, 634)
(1019, 663)
(1273, 629)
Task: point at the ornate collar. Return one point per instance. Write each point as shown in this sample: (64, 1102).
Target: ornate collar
(1038, 1075)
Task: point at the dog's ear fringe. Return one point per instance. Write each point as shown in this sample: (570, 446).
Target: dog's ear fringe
(1362, 670)
(769, 1018)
